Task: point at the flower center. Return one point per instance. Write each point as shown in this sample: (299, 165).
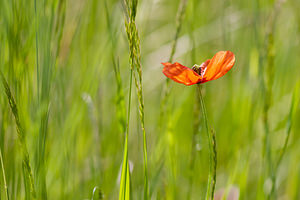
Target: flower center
(199, 69)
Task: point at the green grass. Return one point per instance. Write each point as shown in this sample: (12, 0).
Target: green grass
(86, 113)
(4, 177)
(136, 72)
(30, 190)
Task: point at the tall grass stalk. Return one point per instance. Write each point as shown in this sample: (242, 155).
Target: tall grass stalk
(215, 161)
(212, 173)
(136, 71)
(4, 177)
(268, 93)
(28, 177)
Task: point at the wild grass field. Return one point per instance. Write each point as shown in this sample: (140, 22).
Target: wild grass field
(86, 112)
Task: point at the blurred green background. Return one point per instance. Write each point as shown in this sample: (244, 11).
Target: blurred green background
(58, 59)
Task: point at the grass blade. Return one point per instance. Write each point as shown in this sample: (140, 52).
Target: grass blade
(28, 178)
(124, 193)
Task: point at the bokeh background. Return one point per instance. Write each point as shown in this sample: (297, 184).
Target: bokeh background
(58, 57)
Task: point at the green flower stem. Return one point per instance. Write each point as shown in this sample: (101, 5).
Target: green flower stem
(212, 174)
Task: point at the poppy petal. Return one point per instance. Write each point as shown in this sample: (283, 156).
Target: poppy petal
(181, 74)
(219, 65)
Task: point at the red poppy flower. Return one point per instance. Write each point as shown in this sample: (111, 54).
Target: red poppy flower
(211, 69)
